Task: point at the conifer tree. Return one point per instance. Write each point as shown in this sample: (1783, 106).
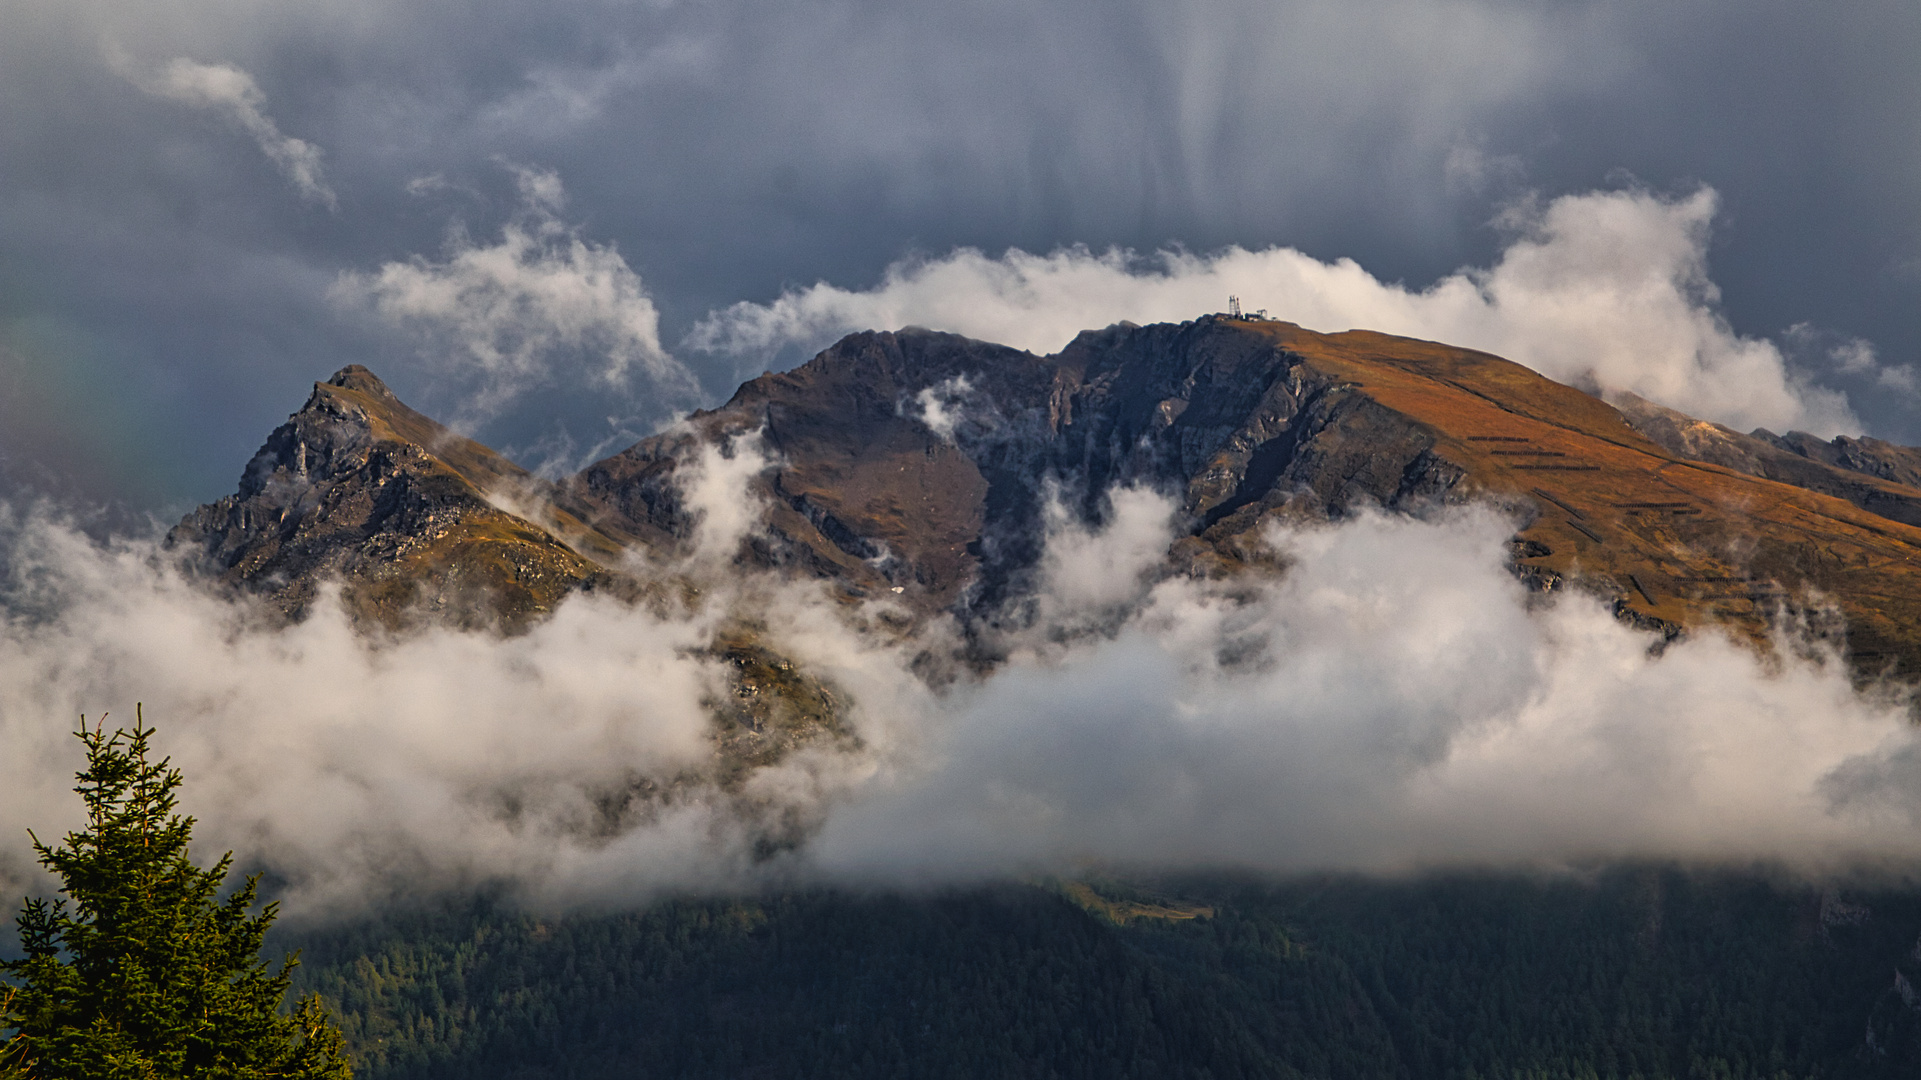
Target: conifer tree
(13, 1059)
(141, 969)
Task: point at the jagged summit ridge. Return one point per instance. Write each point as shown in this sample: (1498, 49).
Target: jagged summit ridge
(918, 461)
(357, 377)
(406, 516)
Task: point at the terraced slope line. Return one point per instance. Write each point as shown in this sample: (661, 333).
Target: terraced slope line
(1683, 541)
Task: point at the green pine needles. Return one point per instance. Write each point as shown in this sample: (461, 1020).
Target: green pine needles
(141, 971)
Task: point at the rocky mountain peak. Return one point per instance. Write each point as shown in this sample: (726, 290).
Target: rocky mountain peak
(357, 377)
(358, 487)
(419, 526)
(920, 470)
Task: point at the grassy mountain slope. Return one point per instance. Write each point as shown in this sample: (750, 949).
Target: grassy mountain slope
(1676, 538)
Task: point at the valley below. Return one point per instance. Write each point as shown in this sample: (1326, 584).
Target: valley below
(1629, 971)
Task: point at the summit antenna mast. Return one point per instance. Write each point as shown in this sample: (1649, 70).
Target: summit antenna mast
(1233, 307)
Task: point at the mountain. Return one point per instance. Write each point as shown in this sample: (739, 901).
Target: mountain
(915, 464)
(420, 526)
(405, 514)
(917, 461)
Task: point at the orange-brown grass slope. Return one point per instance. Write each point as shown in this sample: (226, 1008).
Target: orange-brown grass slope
(1682, 541)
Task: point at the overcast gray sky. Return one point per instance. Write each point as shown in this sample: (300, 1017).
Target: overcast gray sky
(517, 212)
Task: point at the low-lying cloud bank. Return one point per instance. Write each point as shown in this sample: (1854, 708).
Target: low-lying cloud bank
(1394, 701)
(1606, 288)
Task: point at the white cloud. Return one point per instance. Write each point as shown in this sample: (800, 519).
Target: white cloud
(1093, 577)
(348, 766)
(1850, 356)
(716, 487)
(1607, 286)
(1395, 701)
(232, 93)
(940, 406)
(517, 314)
(1855, 356)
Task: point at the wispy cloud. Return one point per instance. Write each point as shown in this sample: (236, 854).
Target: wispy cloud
(1852, 358)
(232, 94)
(537, 305)
(1393, 702)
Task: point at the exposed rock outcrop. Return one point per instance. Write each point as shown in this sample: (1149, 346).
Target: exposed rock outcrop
(359, 488)
(917, 462)
(419, 526)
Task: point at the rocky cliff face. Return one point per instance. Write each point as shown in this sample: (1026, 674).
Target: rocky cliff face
(1875, 457)
(916, 462)
(360, 489)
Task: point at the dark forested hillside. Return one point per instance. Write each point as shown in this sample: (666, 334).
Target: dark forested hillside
(1636, 973)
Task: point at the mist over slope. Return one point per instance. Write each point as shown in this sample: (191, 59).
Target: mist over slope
(1225, 594)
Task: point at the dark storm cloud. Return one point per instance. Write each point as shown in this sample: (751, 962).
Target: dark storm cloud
(175, 276)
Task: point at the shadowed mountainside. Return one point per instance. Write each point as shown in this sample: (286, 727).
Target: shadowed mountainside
(917, 462)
